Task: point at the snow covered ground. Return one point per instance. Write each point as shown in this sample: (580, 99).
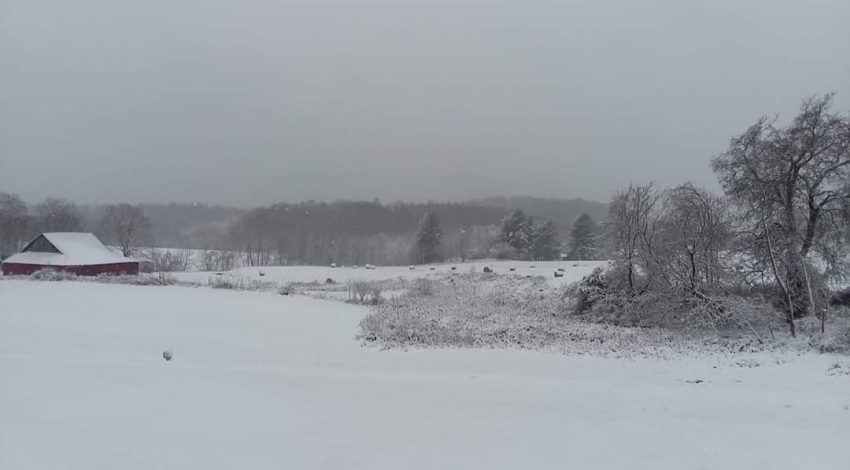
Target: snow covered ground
(573, 271)
(261, 381)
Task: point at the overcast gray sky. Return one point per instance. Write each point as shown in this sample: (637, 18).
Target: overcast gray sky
(253, 102)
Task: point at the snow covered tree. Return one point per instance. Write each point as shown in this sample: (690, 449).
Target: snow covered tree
(791, 185)
(583, 242)
(429, 238)
(58, 215)
(516, 232)
(545, 245)
(126, 226)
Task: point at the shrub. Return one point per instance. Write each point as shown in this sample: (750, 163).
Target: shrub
(359, 289)
(375, 293)
(512, 313)
(423, 287)
(169, 260)
(52, 275)
(587, 291)
(241, 284)
(602, 298)
(840, 298)
(161, 279)
(226, 282)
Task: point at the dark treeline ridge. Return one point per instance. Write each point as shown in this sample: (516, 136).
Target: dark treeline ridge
(343, 232)
(347, 232)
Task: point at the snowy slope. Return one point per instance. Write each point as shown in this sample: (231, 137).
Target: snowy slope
(263, 381)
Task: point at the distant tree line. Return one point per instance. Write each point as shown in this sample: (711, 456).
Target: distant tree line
(342, 232)
(358, 233)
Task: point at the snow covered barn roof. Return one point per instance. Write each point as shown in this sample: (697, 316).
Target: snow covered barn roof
(66, 249)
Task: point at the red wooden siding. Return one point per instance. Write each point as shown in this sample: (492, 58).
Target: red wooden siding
(130, 268)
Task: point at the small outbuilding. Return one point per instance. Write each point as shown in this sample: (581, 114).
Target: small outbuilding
(77, 253)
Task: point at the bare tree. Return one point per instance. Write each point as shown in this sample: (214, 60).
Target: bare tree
(791, 185)
(127, 227)
(252, 235)
(360, 288)
(631, 227)
(169, 260)
(694, 232)
(58, 215)
(668, 250)
(214, 254)
(15, 224)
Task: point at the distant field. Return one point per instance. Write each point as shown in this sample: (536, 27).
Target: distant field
(573, 271)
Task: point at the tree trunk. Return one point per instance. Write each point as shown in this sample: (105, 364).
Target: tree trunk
(795, 278)
(782, 285)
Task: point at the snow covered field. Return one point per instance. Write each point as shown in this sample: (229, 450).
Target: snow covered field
(264, 381)
(573, 270)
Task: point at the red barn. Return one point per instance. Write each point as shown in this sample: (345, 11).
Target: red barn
(76, 253)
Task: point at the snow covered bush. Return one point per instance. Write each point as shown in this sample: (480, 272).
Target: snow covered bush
(53, 275)
(162, 260)
(159, 279)
(241, 283)
(500, 311)
(375, 290)
(503, 311)
(423, 287)
(359, 289)
(601, 298)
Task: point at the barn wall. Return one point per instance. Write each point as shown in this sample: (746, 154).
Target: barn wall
(16, 269)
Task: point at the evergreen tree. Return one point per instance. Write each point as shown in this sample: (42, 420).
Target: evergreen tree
(583, 243)
(545, 245)
(429, 238)
(516, 231)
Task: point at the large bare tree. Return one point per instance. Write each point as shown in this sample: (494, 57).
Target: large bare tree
(791, 185)
(127, 227)
(630, 230)
(694, 233)
(58, 215)
(15, 224)
(669, 240)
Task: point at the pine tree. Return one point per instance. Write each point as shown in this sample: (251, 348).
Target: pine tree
(516, 231)
(583, 243)
(429, 239)
(545, 245)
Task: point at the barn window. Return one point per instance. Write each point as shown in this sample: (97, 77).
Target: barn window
(41, 245)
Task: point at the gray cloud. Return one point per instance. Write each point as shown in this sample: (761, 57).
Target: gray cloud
(255, 102)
